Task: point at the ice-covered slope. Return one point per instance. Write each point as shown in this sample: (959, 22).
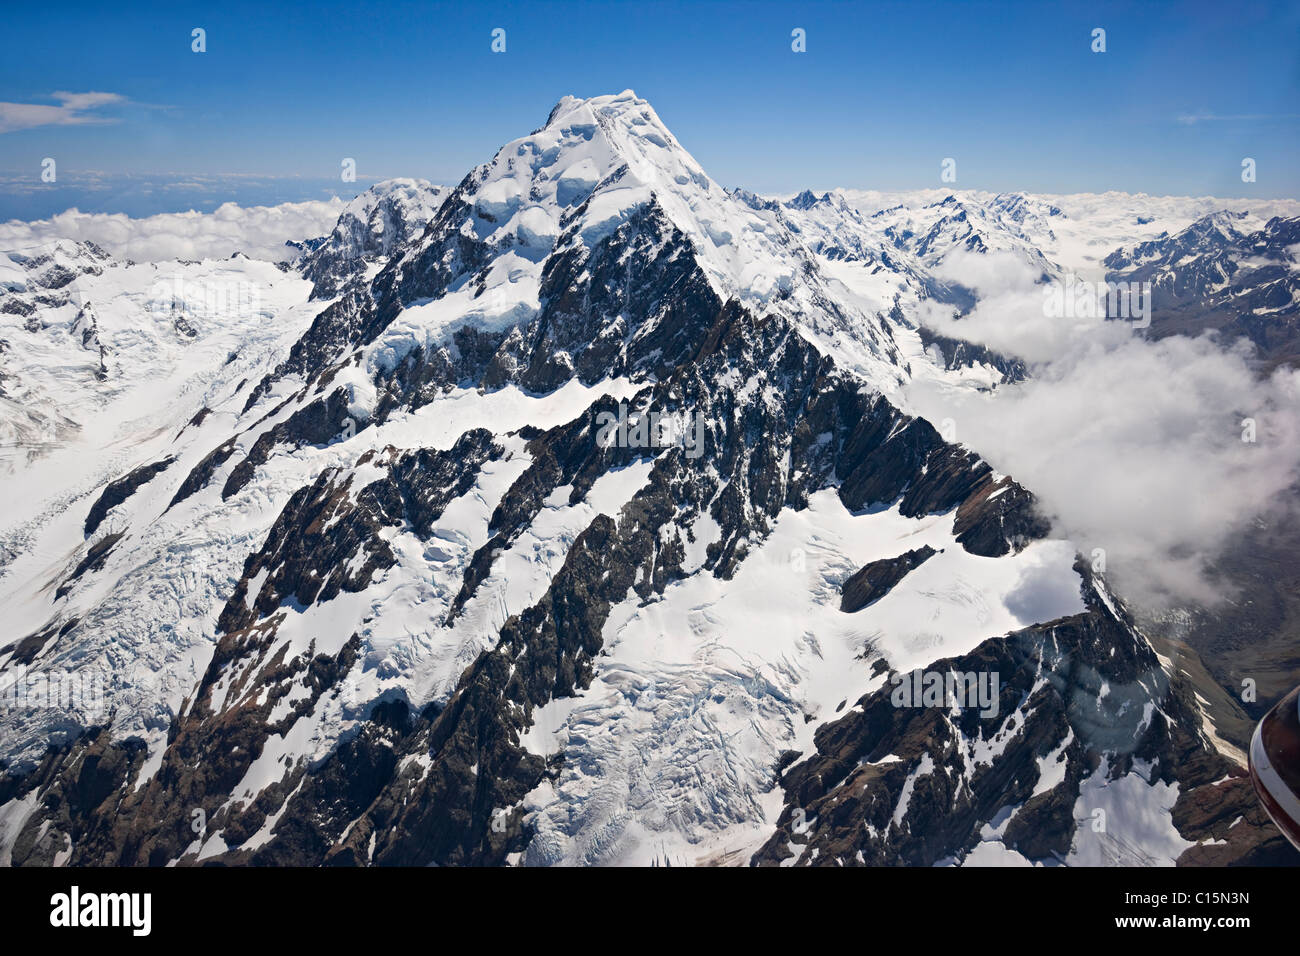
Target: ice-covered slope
(84, 335)
(176, 339)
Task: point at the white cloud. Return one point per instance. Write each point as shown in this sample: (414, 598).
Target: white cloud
(1012, 315)
(74, 109)
(1132, 446)
(257, 231)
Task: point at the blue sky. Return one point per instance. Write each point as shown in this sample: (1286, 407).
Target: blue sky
(882, 95)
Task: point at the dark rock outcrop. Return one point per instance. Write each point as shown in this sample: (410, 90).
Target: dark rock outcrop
(878, 578)
(116, 492)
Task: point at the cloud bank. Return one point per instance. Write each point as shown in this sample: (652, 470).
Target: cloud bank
(257, 231)
(1132, 446)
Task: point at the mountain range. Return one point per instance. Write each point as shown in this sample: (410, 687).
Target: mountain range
(363, 584)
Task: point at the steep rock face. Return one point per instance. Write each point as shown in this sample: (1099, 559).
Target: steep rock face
(78, 784)
(437, 809)
(86, 328)
(177, 810)
(330, 539)
(635, 305)
(339, 528)
(516, 227)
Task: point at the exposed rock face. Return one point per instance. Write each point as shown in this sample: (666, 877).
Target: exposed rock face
(94, 559)
(330, 539)
(1227, 811)
(116, 492)
(420, 800)
(334, 526)
(53, 266)
(69, 800)
(85, 328)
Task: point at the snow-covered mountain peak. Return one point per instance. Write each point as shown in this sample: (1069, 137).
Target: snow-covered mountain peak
(807, 199)
(1216, 234)
(369, 229)
(965, 223)
(632, 126)
(417, 195)
(606, 168)
(1019, 205)
(1219, 225)
(614, 154)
